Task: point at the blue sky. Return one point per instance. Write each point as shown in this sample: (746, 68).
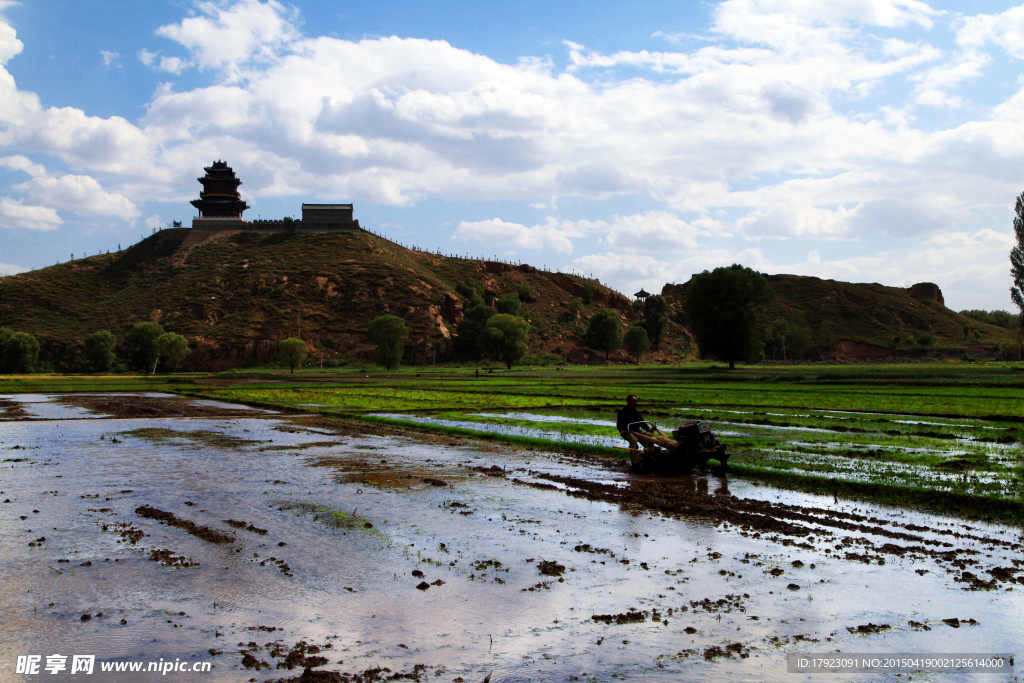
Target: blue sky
(859, 140)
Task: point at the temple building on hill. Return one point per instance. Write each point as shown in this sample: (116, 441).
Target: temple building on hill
(221, 206)
(220, 198)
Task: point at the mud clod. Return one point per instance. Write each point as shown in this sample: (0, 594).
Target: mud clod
(550, 568)
(248, 526)
(633, 616)
(202, 532)
(169, 559)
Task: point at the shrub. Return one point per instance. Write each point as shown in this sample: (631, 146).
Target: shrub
(505, 338)
(636, 342)
(388, 332)
(99, 350)
(171, 348)
(604, 333)
(291, 351)
(508, 304)
(19, 351)
(141, 342)
(587, 292)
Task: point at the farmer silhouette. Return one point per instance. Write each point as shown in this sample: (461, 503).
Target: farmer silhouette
(630, 422)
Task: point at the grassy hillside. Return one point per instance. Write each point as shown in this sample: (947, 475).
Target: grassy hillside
(236, 294)
(858, 320)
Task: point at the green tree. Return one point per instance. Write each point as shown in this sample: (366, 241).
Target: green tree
(5, 334)
(171, 349)
(1017, 259)
(925, 339)
(636, 342)
(967, 331)
(604, 332)
(508, 304)
(655, 320)
(505, 338)
(469, 287)
(291, 351)
(388, 332)
(19, 351)
(574, 309)
(722, 307)
(587, 292)
(471, 327)
(143, 353)
(791, 338)
(99, 350)
(998, 318)
(525, 292)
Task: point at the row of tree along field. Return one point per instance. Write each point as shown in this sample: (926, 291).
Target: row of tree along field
(501, 333)
(147, 346)
(721, 311)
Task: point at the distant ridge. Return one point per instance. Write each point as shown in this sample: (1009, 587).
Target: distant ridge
(234, 294)
(863, 321)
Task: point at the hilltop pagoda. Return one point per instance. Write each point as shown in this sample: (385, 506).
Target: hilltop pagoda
(219, 198)
(220, 208)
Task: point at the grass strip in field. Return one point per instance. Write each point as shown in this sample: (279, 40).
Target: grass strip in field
(971, 506)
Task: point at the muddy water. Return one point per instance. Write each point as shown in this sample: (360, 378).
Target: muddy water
(329, 526)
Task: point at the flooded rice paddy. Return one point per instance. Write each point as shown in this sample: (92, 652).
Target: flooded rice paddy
(141, 527)
(958, 455)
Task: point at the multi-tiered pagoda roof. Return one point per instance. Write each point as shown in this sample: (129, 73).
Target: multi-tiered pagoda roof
(220, 198)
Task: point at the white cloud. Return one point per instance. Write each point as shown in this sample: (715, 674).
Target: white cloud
(9, 269)
(9, 43)
(110, 58)
(797, 24)
(79, 194)
(652, 232)
(1005, 29)
(969, 267)
(772, 125)
(554, 235)
(174, 65)
(222, 36)
(14, 214)
(20, 162)
(351, 119)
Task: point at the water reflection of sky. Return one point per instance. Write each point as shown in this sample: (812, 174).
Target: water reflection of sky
(511, 430)
(357, 585)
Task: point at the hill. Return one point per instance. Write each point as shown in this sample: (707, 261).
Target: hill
(866, 321)
(235, 294)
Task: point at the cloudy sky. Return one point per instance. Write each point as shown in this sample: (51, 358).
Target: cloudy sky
(641, 141)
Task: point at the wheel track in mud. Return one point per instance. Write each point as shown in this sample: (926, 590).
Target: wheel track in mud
(783, 522)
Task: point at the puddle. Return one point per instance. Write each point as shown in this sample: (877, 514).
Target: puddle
(532, 417)
(511, 430)
(258, 531)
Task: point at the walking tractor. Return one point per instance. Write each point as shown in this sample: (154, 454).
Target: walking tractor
(691, 447)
